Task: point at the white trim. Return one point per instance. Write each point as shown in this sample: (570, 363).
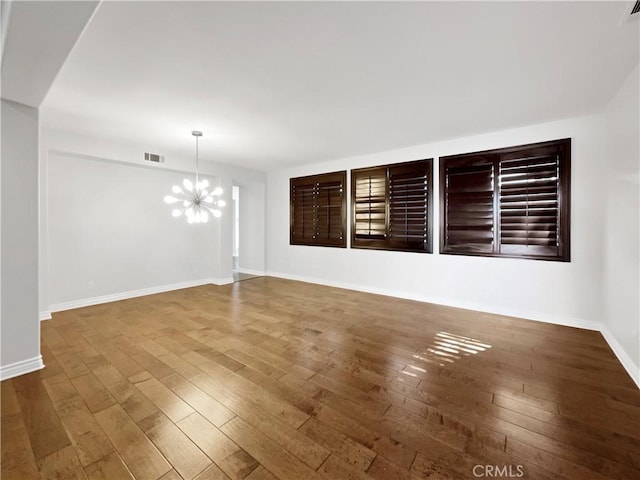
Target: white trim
(114, 297)
(248, 271)
(45, 315)
(626, 361)
(20, 368)
(527, 315)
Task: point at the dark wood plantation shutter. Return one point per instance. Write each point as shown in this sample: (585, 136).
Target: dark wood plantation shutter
(369, 191)
(529, 205)
(511, 202)
(468, 206)
(303, 225)
(391, 207)
(409, 204)
(534, 200)
(318, 210)
(329, 212)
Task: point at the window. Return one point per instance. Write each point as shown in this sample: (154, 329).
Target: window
(318, 210)
(391, 207)
(510, 202)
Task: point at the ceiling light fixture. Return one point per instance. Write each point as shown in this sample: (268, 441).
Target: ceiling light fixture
(195, 199)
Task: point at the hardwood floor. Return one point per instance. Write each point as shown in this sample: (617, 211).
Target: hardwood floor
(270, 378)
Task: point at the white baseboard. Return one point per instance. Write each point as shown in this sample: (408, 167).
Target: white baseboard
(527, 315)
(45, 315)
(632, 369)
(87, 302)
(248, 271)
(20, 368)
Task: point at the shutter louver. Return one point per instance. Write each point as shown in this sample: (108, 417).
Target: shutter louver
(408, 206)
(329, 210)
(370, 189)
(529, 205)
(469, 222)
(303, 211)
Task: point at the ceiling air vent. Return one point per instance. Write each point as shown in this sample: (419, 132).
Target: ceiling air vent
(153, 157)
(636, 8)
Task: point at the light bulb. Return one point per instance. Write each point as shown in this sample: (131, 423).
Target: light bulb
(204, 184)
(176, 212)
(187, 184)
(217, 191)
(170, 199)
(186, 203)
(190, 220)
(217, 213)
(208, 199)
(176, 189)
(221, 203)
(205, 216)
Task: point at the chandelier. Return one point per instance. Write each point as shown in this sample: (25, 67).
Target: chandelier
(195, 201)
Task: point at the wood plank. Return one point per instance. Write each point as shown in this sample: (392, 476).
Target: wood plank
(171, 475)
(110, 467)
(128, 397)
(261, 473)
(46, 433)
(206, 406)
(334, 467)
(86, 436)
(276, 459)
(342, 447)
(62, 464)
(232, 459)
(8, 400)
(167, 401)
(94, 394)
(214, 473)
(182, 453)
(139, 454)
(18, 461)
(236, 385)
(72, 364)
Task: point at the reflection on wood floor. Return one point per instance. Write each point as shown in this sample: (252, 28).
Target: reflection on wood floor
(273, 378)
(240, 276)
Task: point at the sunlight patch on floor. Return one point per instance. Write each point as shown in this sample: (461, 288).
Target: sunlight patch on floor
(449, 347)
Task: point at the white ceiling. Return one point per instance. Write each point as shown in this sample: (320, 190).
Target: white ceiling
(273, 84)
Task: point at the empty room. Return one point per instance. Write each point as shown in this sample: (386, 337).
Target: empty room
(320, 240)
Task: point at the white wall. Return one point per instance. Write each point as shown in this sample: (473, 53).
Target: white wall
(542, 290)
(252, 228)
(107, 231)
(110, 231)
(20, 343)
(622, 225)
